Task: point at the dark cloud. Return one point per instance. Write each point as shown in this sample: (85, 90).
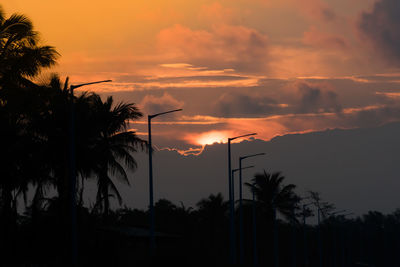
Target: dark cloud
(328, 14)
(152, 104)
(381, 27)
(303, 97)
(315, 100)
(357, 118)
(375, 117)
(238, 105)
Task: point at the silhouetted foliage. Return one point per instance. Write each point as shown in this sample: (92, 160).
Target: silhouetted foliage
(35, 135)
(21, 56)
(271, 193)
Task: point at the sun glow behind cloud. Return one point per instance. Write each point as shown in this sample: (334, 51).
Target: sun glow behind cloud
(209, 138)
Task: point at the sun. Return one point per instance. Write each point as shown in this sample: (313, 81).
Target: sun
(209, 138)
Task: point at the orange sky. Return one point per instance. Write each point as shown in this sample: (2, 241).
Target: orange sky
(234, 66)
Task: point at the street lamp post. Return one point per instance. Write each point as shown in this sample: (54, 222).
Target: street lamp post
(241, 247)
(255, 252)
(319, 237)
(151, 208)
(334, 237)
(72, 170)
(294, 238)
(233, 179)
(305, 234)
(320, 244)
(343, 237)
(232, 240)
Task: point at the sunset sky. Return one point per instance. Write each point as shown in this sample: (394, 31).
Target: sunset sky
(234, 66)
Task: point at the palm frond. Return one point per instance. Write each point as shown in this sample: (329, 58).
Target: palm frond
(118, 171)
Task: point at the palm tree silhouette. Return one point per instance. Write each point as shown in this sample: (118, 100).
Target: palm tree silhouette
(212, 207)
(113, 147)
(271, 193)
(273, 196)
(104, 146)
(21, 56)
(212, 216)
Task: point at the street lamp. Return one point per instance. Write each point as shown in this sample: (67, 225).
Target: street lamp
(72, 169)
(232, 243)
(73, 87)
(241, 248)
(152, 237)
(233, 179)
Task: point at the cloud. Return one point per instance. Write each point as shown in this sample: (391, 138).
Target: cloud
(238, 105)
(380, 27)
(312, 9)
(376, 116)
(390, 95)
(315, 98)
(216, 13)
(222, 47)
(292, 97)
(152, 104)
(316, 9)
(324, 40)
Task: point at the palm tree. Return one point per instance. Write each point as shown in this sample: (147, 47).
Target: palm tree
(18, 155)
(50, 126)
(212, 217)
(113, 147)
(21, 56)
(212, 208)
(104, 145)
(271, 194)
